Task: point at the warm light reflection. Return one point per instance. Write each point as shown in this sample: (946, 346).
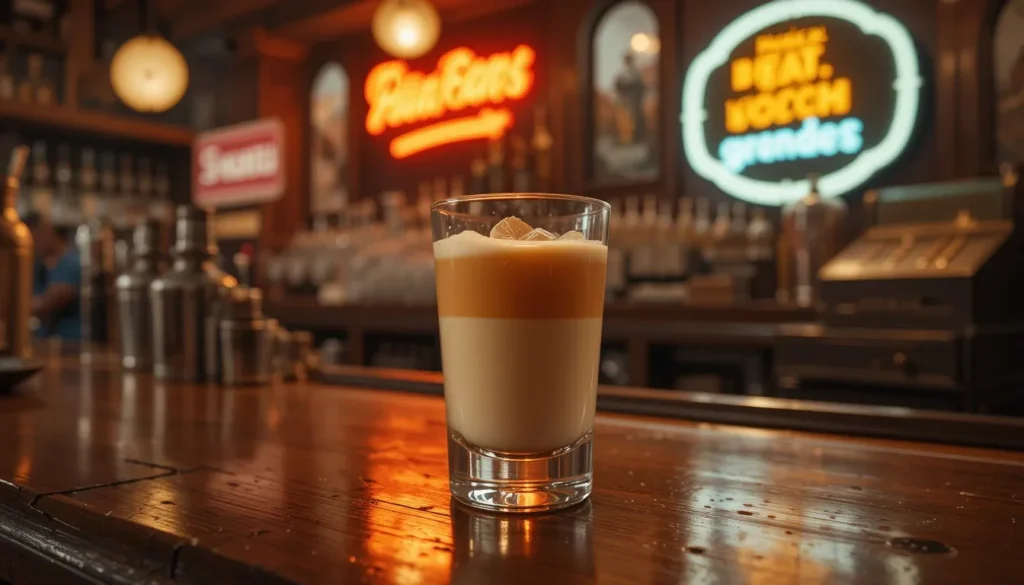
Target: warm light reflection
(406, 476)
(490, 124)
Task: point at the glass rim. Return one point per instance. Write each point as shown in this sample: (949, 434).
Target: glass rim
(443, 203)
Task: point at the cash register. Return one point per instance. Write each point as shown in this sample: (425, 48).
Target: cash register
(925, 308)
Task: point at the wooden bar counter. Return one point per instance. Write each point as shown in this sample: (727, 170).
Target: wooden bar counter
(107, 478)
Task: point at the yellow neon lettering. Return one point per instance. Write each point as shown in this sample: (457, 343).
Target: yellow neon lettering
(811, 55)
(791, 69)
(735, 116)
(742, 74)
(834, 98)
(765, 72)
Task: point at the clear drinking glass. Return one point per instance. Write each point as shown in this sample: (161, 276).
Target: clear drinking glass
(520, 327)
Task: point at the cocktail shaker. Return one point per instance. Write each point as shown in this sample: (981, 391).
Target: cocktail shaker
(186, 302)
(133, 306)
(16, 256)
(95, 242)
(246, 339)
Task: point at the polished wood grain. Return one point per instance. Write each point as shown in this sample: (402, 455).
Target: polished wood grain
(306, 483)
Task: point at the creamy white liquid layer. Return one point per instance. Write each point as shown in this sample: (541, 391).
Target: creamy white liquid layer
(520, 385)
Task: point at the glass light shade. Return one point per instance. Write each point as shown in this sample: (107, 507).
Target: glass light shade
(149, 74)
(406, 28)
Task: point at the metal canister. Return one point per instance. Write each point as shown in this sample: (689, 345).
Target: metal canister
(186, 301)
(16, 262)
(133, 304)
(246, 339)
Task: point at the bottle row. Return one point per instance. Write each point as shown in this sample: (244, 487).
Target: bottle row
(118, 186)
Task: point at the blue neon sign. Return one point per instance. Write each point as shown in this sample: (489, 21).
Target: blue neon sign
(789, 104)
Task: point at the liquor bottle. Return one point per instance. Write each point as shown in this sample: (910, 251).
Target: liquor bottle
(66, 207)
(478, 174)
(425, 192)
(632, 238)
(41, 190)
(521, 180)
(760, 240)
(161, 207)
(107, 196)
(496, 166)
(665, 263)
(440, 188)
(87, 183)
(702, 224)
(457, 186)
(145, 182)
(541, 142)
(126, 197)
(6, 78)
(616, 280)
(739, 219)
(684, 233)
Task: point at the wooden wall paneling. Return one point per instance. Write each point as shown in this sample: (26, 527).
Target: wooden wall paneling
(79, 58)
(947, 99)
(975, 30)
(281, 82)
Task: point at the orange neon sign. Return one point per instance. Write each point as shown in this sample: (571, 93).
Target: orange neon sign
(462, 79)
(486, 124)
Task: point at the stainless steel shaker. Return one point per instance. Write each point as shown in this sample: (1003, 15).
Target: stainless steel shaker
(16, 257)
(246, 339)
(186, 301)
(134, 309)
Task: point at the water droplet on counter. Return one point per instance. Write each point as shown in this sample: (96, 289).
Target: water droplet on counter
(920, 546)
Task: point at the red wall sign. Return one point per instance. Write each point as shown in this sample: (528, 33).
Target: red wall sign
(239, 165)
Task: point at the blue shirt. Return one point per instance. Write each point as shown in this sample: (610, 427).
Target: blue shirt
(65, 323)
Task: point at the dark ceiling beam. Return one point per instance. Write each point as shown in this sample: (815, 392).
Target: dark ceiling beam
(190, 18)
(340, 19)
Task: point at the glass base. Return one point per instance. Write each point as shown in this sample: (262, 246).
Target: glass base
(511, 482)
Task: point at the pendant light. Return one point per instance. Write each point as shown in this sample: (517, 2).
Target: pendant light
(406, 28)
(147, 72)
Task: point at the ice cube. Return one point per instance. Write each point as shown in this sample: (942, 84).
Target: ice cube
(573, 235)
(510, 228)
(539, 235)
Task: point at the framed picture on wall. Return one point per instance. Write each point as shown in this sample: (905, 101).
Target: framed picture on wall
(329, 146)
(624, 96)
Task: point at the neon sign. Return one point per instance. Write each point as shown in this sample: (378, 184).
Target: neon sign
(807, 87)
(462, 80)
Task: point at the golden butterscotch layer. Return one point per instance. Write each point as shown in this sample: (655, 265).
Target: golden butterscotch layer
(520, 280)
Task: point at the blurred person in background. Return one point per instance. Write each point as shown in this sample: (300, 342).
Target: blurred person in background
(58, 279)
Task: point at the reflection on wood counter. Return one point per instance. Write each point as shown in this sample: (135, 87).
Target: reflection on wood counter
(143, 482)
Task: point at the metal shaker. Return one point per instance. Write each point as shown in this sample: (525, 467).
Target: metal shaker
(133, 306)
(16, 257)
(95, 242)
(186, 300)
(246, 339)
